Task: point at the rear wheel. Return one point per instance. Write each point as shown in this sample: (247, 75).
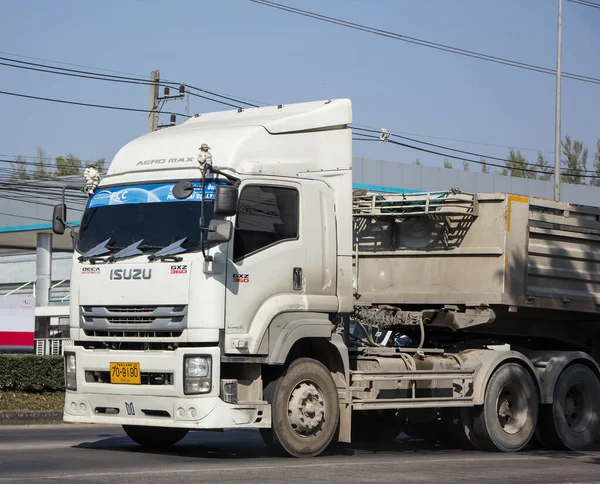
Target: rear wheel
(304, 409)
(572, 421)
(508, 418)
(154, 436)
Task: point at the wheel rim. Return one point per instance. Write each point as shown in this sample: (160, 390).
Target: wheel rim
(576, 408)
(512, 408)
(306, 409)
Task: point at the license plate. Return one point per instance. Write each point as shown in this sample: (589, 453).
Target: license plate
(125, 373)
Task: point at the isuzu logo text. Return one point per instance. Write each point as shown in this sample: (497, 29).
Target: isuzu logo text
(121, 274)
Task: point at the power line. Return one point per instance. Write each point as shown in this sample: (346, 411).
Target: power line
(122, 79)
(221, 102)
(24, 216)
(66, 63)
(424, 150)
(71, 74)
(135, 76)
(457, 140)
(45, 158)
(40, 190)
(62, 101)
(135, 80)
(434, 145)
(424, 43)
(487, 157)
(367, 137)
(586, 3)
(37, 202)
(44, 188)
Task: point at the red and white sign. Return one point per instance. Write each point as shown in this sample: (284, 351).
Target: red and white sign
(179, 269)
(17, 323)
(241, 278)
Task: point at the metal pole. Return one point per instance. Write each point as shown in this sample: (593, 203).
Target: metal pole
(153, 104)
(43, 264)
(557, 116)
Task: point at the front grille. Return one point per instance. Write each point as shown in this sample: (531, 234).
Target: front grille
(121, 309)
(134, 321)
(133, 334)
(131, 309)
(146, 378)
(129, 320)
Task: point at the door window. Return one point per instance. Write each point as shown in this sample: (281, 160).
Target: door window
(266, 216)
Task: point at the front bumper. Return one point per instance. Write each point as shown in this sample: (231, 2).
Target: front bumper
(155, 405)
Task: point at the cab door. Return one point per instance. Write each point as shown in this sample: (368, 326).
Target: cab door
(275, 263)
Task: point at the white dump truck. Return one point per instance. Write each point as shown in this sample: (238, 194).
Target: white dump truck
(227, 276)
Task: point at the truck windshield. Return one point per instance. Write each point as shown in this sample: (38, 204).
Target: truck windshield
(127, 214)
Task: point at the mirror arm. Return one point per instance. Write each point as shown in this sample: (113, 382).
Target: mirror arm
(63, 201)
(231, 178)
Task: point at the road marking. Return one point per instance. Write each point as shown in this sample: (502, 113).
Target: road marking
(56, 445)
(229, 468)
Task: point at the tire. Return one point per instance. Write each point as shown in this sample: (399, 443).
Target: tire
(465, 425)
(375, 426)
(572, 421)
(508, 418)
(304, 410)
(267, 435)
(154, 436)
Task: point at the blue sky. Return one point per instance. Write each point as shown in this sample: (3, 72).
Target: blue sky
(249, 51)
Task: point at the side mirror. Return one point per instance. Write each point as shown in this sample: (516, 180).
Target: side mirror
(59, 218)
(183, 189)
(226, 200)
(220, 231)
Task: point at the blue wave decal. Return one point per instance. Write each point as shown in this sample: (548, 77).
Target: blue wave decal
(156, 193)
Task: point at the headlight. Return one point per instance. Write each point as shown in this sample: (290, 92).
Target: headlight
(197, 374)
(197, 366)
(70, 371)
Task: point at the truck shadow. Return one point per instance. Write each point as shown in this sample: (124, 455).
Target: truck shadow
(247, 444)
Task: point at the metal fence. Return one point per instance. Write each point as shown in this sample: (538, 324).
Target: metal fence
(52, 346)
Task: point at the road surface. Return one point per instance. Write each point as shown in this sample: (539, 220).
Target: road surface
(103, 454)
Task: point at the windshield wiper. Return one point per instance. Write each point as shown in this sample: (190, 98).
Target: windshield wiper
(96, 251)
(168, 252)
(129, 251)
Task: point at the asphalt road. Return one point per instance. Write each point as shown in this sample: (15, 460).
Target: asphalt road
(94, 454)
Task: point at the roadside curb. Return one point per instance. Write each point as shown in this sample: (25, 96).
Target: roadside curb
(30, 417)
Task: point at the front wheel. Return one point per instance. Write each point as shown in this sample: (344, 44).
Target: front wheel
(154, 436)
(304, 409)
(572, 421)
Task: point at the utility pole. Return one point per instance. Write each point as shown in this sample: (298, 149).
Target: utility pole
(153, 104)
(557, 115)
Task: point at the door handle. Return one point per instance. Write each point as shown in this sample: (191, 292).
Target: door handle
(297, 278)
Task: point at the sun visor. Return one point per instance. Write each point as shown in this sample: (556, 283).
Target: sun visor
(311, 116)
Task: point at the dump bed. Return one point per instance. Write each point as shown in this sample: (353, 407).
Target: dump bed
(454, 248)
